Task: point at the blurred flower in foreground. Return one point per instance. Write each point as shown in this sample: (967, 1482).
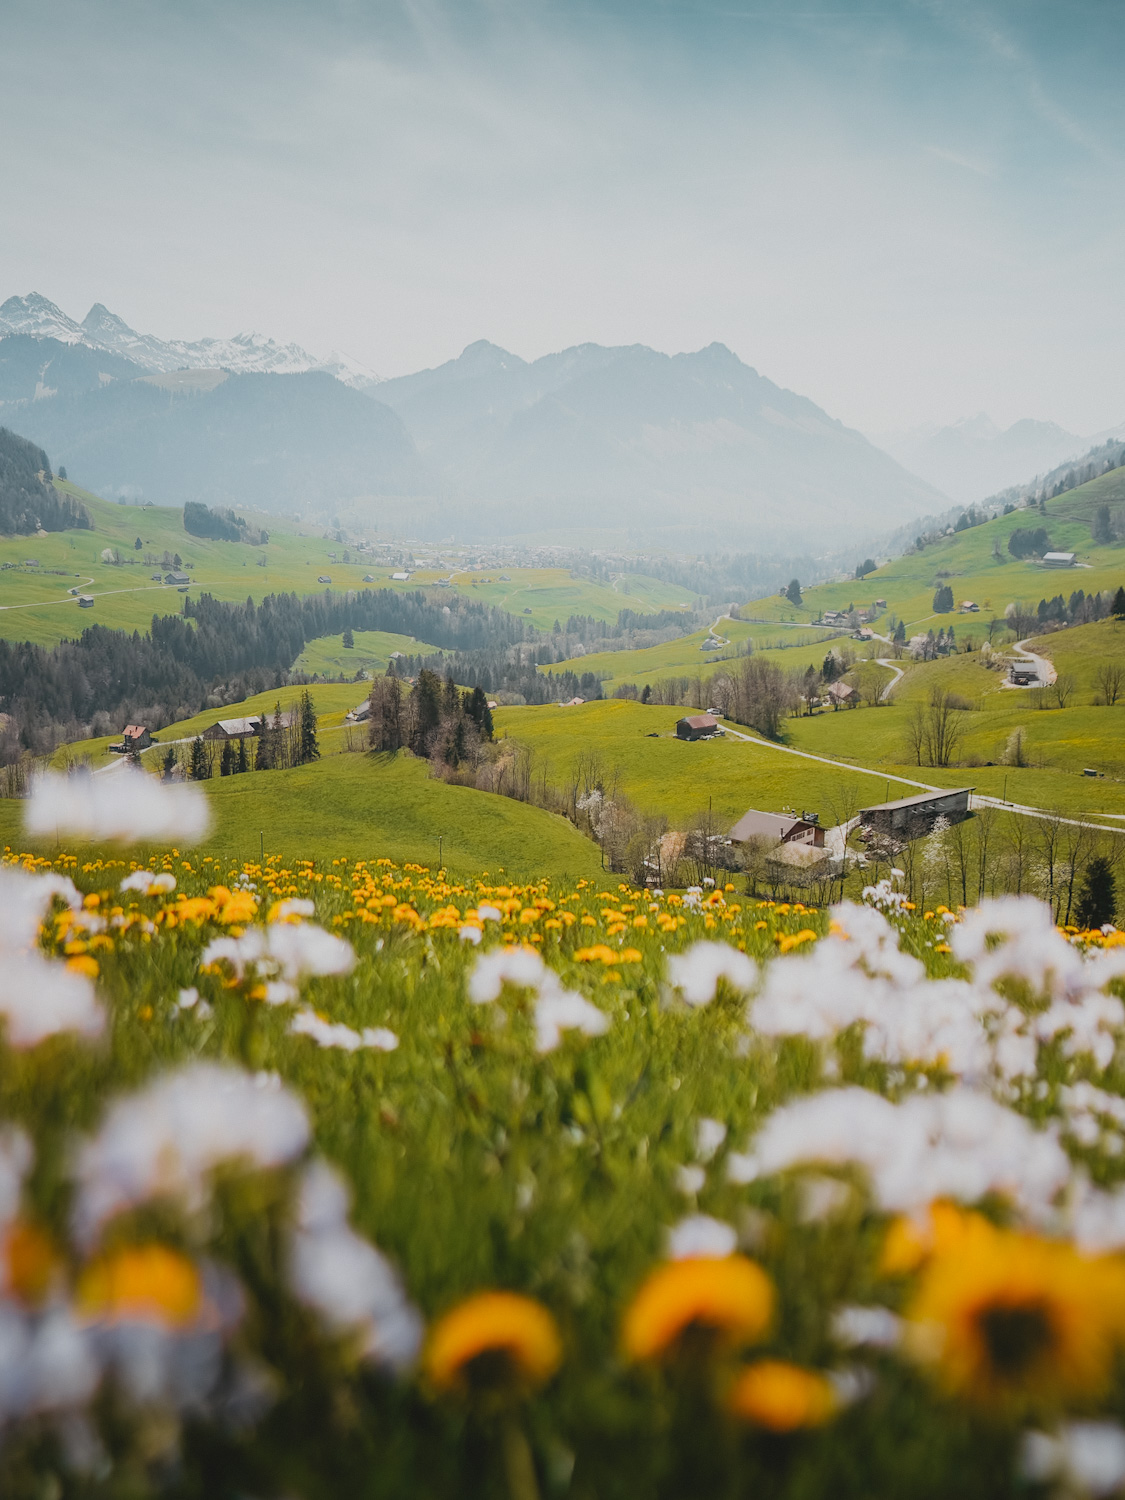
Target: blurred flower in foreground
(696, 972)
(1008, 1318)
(782, 1397)
(336, 1034)
(39, 996)
(142, 1281)
(166, 1139)
(1086, 1456)
(352, 1286)
(123, 807)
(729, 1302)
(149, 884)
(283, 953)
(556, 1009)
(497, 1341)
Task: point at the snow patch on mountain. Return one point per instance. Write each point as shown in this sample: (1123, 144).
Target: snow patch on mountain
(245, 353)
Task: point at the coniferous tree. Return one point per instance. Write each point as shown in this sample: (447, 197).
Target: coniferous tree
(646, 696)
(793, 592)
(169, 764)
(262, 750)
(1097, 901)
(200, 767)
(348, 640)
(226, 759)
(426, 704)
(308, 749)
(243, 763)
(1119, 604)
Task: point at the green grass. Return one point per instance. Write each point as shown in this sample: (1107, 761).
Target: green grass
(544, 595)
(372, 652)
(368, 806)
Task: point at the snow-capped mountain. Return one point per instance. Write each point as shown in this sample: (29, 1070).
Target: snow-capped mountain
(245, 353)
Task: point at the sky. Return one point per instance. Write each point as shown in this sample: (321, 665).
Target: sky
(908, 210)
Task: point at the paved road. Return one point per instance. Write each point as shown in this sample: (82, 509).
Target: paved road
(978, 800)
(1042, 664)
(884, 661)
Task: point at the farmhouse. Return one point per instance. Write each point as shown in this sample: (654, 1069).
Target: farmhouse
(697, 727)
(840, 693)
(135, 737)
(1023, 675)
(1058, 559)
(914, 817)
(176, 578)
(360, 713)
(780, 828)
(233, 729)
(969, 608)
(324, 578)
(400, 577)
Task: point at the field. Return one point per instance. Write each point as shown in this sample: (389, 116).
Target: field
(573, 1188)
(36, 605)
(372, 651)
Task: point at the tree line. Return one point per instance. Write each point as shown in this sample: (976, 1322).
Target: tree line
(28, 499)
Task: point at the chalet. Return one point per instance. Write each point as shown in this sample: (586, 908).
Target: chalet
(1022, 674)
(914, 817)
(711, 644)
(400, 577)
(85, 601)
(135, 737)
(841, 693)
(324, 578)
(360, 713)
(368, 578)
(880, 604)
(779, 828)
(573, 703)
(697, 727)
(969, 608)
(176, 578)
(1058, 559)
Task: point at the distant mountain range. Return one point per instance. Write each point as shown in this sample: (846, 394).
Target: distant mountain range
(973, 459)
(244, 354)
(697, 450)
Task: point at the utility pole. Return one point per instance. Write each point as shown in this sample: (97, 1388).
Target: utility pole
(262, 845)
(440, 837)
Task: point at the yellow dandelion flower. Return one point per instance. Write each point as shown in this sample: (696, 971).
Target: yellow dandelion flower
(82, 963)
(148, 1282)
(782, 1397)
(500, 1340)
(29, 1261)
(1010, 1318)
(729, 1300)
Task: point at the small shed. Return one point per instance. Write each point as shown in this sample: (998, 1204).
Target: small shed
(1023, 675)
(400, 577)
(135, 737)
(1058, 559)
(324, 578)
(85, 601)
(841, 693)
(914, 817)
(697, 727)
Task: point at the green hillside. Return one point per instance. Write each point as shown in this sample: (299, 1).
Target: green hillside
(371, 806)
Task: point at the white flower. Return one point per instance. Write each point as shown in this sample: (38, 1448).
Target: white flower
(292, 909)
(519, 966)
(39, 999)
(284, 950)
(326, 1034)
(561, 1010)
(25, 900)
(960, 1145)
(709, 1136)
(489, 913)
(470, 934)
(342, 1276)
(696, 972)
(877, 1327)
(127, 807)
(188, 999)
(699, 1235)
(148, 884)
(166, 1139)
(47, 1363)
(1086, 1456)
(690, 1180)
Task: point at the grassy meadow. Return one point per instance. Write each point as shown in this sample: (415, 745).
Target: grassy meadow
(441, 1186)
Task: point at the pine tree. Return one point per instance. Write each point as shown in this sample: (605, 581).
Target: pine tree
(793, 592)
(169, 764)
(243, 760)
(348, 640)
(309, 749)
(226, 759)
(200, 767)
(137, 545)
(1097, 901)
(262, 750)
(646, 696)
(1119, 604)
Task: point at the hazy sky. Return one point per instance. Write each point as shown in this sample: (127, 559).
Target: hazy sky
(907, 211)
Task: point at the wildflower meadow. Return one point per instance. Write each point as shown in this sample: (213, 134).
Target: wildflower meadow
(349, 1178)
